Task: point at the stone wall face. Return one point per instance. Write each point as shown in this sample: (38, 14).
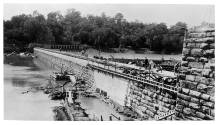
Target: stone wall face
(195, 97)
(150, 101)
(66, 65)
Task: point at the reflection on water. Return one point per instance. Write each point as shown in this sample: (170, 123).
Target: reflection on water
(20, 74)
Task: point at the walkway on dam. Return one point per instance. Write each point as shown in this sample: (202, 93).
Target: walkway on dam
(98, 65)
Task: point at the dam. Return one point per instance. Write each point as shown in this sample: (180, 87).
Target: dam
(189, 97)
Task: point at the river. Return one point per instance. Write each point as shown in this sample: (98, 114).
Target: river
(23, 74)
(20, 75)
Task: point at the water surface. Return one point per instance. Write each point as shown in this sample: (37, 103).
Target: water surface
(20, 75)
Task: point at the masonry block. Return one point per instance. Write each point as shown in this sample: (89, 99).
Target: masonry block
(198, 65)
(190, 77)
(196, 52)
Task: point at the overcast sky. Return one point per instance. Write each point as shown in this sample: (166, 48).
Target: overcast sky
(146, 13)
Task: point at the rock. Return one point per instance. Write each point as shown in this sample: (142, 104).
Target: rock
(151, 114)
(184, 63)
(200, 115)
(191, 45)
(188, 84)
(185, 97)
(195, 71)
(208, 117)
(196, 52)
(190, 59)
(187, 111)
(182, 102)
(205, 97)
(204, 46)
(198, 65)
(211, 91)
(179, 108)
(210, 40)
(194, 93)
(209, 53)
(209, 104)
(190, 77)
(209, 66)
(186, 51)
(185, 91)
(166, 100)
(194, 105)
(194, 100)
(202, 87)
(203, 59)
(212, 112)
(212, 99)
(205, 72)
(212, 46)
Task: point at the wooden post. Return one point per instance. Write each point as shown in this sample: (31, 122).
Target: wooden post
(101, 118)
(110, 118)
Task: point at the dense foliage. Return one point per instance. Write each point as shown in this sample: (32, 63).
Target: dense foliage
(100, 32)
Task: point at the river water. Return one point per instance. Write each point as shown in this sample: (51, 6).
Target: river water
(20, 75)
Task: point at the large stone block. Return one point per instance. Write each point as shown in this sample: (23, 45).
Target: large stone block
(194, 105)
(182, 102)
(194, 100)
(195, 93)
(198, 65)
(186, 51)
(185, 97)
(196, 52)
(190, 77)
(200, 115)
(205, 97)
(191, 45)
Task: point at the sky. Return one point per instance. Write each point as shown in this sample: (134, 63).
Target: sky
(170, 14)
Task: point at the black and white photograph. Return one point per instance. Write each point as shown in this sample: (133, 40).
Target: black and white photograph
(108, 62)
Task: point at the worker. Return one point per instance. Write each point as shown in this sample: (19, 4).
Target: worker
(146, 62)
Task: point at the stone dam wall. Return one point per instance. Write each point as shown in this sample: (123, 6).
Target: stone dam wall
(150, 101)
(195, 98)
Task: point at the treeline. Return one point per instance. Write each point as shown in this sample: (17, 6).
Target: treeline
(100, 32)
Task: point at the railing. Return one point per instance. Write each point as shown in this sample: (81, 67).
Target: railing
(123, 75)
(136, 78)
